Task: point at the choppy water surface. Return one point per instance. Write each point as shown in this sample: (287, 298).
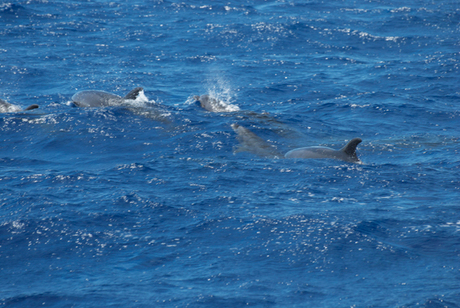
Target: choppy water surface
(157, 203)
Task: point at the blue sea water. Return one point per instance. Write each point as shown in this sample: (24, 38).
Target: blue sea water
(153, 205)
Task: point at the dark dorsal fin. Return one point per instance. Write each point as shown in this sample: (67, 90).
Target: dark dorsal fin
(350, 148)
(134, 93)
(34, 106)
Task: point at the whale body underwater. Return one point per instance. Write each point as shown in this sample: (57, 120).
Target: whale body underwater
(7, 107)
(256, 145)
(93, 98)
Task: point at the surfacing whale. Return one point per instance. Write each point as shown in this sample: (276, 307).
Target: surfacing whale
(347, 153)
(252, 143)
(91, 98)
(213, 104)
(7, 107)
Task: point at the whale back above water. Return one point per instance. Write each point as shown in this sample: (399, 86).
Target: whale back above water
(250, 142)
(7, 107)
(347, 153)
(93, 98)
(214, 104)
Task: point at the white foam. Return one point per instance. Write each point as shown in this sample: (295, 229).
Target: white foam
(141, 97)
(221, 106)
(140, 101)
(10, 108)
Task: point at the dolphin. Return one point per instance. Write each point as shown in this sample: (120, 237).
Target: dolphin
(347, 153)
(7, 107)
(91, 98)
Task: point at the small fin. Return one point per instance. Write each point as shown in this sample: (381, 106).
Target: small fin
(134, 93)
(350, 148)
(34, 106)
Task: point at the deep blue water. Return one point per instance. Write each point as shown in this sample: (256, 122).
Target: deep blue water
(147, 205)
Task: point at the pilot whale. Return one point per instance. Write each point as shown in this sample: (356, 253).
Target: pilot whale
(7, 107)
(91, 98)
(347, 153)
(250, 142)
(214, 104)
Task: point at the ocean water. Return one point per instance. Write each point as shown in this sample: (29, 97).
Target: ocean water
(156, 203)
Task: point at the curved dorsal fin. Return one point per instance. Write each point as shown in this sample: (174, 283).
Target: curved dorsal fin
(350, 148)
(134, 93)
(34, 106)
